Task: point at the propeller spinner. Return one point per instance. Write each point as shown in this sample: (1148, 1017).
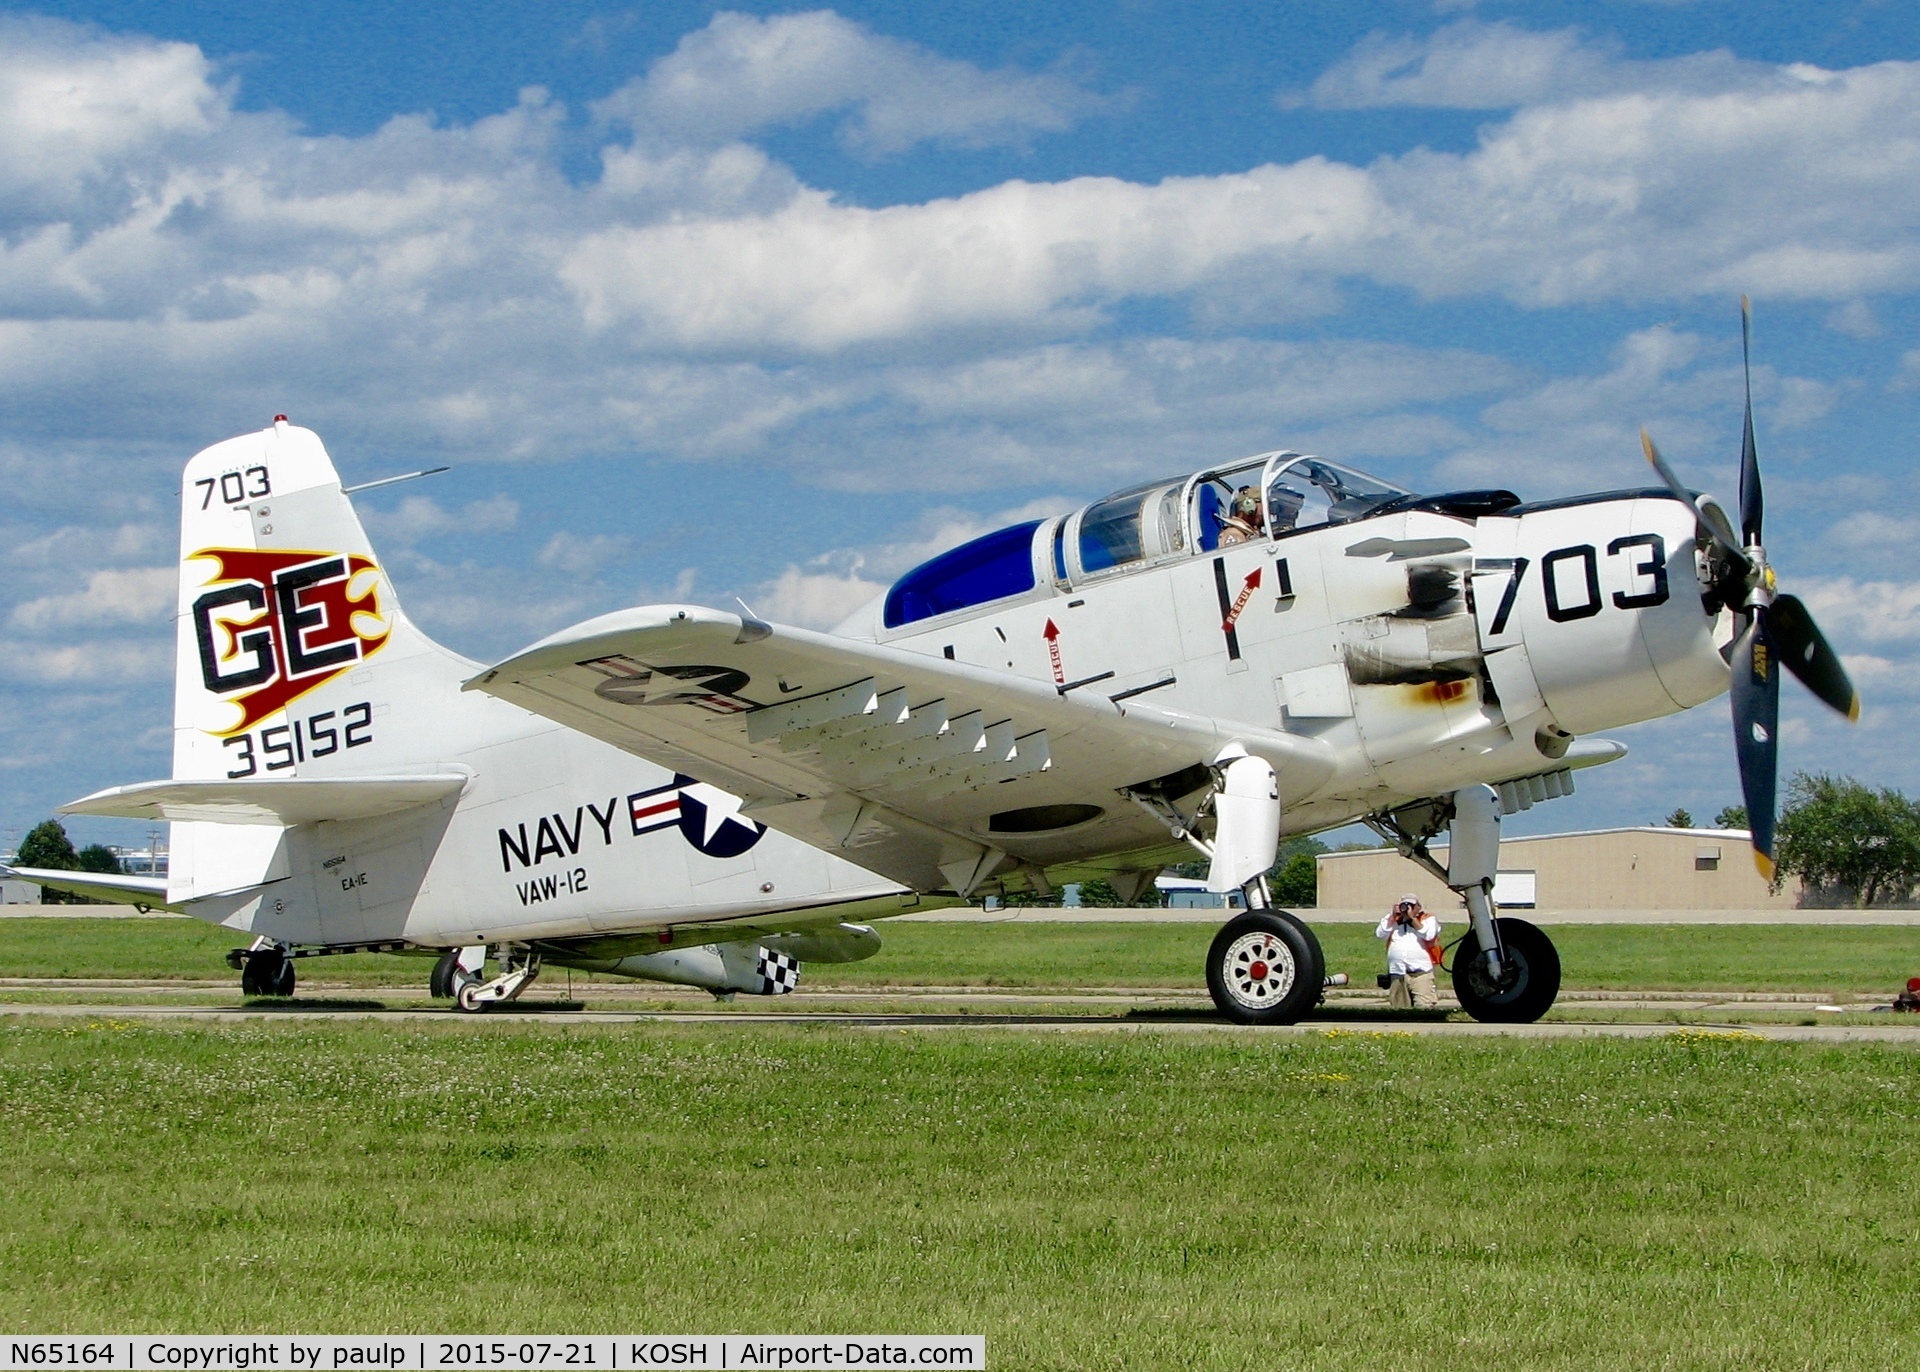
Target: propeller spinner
(1774, 629)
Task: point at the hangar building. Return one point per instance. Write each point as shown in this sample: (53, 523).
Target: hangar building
(1602, 869)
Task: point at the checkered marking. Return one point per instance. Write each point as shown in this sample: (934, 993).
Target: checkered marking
(779, 973)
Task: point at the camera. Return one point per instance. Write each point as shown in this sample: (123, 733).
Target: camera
(1383, 981)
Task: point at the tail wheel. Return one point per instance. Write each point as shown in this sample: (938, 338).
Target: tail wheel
(1265, 967)
(1528, 986)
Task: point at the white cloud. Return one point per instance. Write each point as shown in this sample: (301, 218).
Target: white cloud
(1855, 319)
(583, 554)
(77, 103)
(1869, 611)
(818, 276)
(106, 665)
(133, 595)
(813, 599)
(1869, 667)
(59, 549)
(741, 74)
(1633, 195)
(429, 284)
(1473, 65)
(421, 516)
(1875, 530)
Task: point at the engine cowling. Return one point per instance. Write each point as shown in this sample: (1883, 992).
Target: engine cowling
(1594, 612)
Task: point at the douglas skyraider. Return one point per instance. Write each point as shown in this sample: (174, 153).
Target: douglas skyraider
(1205, 663)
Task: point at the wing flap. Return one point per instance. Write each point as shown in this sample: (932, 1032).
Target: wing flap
(294, 800)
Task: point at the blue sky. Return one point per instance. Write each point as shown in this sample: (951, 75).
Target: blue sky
(769, 301)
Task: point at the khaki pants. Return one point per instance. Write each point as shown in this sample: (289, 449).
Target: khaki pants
(1414, 991)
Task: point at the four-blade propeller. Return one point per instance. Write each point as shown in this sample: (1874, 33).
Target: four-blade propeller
(1771, 629)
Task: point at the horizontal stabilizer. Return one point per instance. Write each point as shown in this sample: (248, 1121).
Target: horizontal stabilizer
(296, 800)
(107, 886)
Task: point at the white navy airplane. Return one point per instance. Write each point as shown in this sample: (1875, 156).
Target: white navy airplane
(1208, 662)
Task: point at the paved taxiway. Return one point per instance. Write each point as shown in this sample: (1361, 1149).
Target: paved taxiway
(1128, 1011)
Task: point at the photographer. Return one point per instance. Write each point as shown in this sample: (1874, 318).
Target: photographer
(1413, 948)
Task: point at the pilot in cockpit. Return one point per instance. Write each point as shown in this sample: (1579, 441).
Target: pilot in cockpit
(1243, 520)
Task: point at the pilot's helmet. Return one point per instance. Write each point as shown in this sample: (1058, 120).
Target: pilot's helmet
(1246, 505)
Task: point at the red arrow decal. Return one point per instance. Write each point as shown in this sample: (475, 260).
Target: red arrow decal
(1240, 601)
(1052, 635)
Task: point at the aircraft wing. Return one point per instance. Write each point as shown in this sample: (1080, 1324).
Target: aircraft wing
(901, 759)
(293, 800)
(117, 889)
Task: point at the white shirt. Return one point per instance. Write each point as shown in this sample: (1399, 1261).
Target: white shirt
(1405, 956)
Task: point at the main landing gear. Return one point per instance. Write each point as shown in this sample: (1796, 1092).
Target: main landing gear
(1265, 966)
(1505, 971)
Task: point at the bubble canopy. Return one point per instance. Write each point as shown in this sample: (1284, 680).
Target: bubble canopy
(1272, 496)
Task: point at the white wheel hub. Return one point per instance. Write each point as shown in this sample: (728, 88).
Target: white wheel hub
(1259, 970)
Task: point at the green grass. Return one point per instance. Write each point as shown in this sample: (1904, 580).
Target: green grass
(1811, 958)
(1824, 958)
(1205, 1200)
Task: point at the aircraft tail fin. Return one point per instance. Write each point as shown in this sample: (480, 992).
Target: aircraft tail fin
(280, 592)
(286, 625)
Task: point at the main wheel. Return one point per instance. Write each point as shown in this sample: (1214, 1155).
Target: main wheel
(440, 984)
(1527, 989)
(1265, 967)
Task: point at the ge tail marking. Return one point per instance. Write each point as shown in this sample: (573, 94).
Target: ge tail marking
(272, 626)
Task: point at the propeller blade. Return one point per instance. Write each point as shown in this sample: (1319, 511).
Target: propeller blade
(1752, 502)
(1706, 509)
(1755, 693)
(1805, 652)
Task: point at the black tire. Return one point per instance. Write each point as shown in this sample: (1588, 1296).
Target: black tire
(284, 983)
(1532, 983)
(1265, 967)
(440, 984)
(260, 974)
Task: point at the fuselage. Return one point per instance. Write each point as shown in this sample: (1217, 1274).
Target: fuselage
(1429, 648)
